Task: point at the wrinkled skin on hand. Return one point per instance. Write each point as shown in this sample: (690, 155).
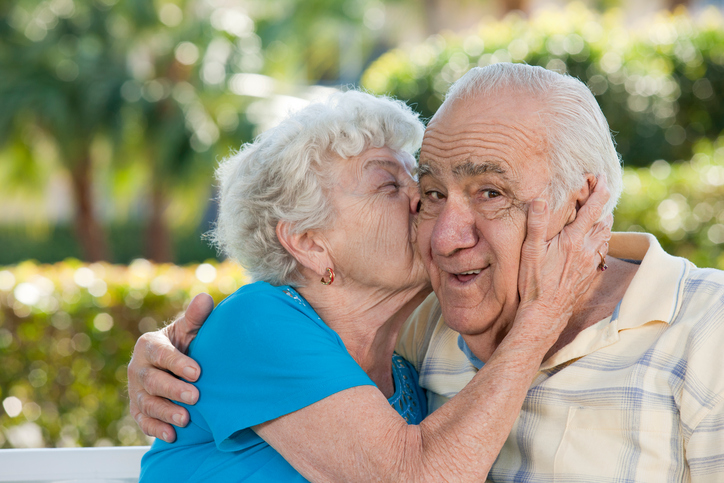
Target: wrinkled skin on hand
(151, 388)
(555, 273)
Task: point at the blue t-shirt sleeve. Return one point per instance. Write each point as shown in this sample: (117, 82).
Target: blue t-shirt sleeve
(265, 353)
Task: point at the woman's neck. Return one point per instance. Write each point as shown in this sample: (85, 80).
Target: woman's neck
(367, 321)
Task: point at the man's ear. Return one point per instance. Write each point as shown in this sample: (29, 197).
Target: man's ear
(308, 248)
(585, 192)
(581, 196)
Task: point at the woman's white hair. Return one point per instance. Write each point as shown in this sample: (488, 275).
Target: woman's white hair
(283, 175)
(579, 138)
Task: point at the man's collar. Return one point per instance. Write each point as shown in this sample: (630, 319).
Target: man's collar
(659, 279)
(468, 353)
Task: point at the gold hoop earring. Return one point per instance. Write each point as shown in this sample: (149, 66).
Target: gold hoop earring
(330, 272)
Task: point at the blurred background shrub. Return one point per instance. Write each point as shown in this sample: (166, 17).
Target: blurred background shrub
(681, 203)
(125, 241)
(66, 334)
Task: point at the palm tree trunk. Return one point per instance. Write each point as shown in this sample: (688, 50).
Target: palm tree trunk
(435, 11)
(159, 246)
(675, 3)
(89, 231)
(432, 26)
(510, 5)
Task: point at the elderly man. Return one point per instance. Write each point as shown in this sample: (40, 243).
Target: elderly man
(633, 390)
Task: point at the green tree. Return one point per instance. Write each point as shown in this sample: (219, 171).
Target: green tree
(136, 75)
(179, 64)
(660, 87)
(61, 73)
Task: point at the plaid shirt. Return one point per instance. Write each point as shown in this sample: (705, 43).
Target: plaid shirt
(637, 397)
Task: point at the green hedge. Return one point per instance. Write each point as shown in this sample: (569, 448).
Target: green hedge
(661, 87)
(126, 242)
(66, 335)
(681, 203)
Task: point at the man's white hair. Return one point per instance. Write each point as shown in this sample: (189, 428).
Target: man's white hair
(284, 175)
(579, 138)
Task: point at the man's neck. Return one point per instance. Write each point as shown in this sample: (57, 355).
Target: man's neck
(596, 304)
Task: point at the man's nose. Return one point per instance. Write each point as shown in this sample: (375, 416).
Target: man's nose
(454, 229)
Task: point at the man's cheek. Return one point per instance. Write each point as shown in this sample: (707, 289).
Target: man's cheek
(505, 210)
(423, 233)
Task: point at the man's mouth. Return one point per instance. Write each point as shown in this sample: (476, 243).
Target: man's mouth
(464, 277)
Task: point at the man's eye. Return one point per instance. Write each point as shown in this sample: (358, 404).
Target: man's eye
(434, 195)
(490, 194)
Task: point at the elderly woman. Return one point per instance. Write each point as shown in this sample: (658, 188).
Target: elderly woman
(299, 380)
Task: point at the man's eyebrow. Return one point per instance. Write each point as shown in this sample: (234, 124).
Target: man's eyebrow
(425, 170)
(470, 169)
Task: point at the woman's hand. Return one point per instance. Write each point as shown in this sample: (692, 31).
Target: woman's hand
(555, 273)
(149, 385)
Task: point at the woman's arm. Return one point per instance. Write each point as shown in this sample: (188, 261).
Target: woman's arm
(355, 435)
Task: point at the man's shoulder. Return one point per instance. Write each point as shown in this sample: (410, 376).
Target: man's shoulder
(705, 274)
(428, 312)
(703, 291)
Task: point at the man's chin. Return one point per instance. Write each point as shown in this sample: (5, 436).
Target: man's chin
(466, 320)
(484, 317)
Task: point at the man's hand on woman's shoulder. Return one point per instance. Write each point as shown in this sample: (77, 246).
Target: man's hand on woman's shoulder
(157, 358)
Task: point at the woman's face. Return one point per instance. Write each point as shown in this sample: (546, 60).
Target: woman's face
(372, 239)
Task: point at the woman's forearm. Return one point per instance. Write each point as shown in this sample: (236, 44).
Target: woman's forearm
(355, 435)
(461, 440)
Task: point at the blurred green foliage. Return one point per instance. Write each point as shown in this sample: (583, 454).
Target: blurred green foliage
(126, 242)
(66, 333)
(130, 100)
(660, 87)
(137, 99)
(681, 203)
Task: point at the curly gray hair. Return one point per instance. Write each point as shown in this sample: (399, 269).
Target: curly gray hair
(282, 175)
(579, 136)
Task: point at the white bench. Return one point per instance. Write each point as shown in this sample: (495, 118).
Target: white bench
(72, 465)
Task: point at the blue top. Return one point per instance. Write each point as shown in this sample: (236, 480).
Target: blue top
(264, 352)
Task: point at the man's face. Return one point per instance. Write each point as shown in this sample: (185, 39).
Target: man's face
(482, 161)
